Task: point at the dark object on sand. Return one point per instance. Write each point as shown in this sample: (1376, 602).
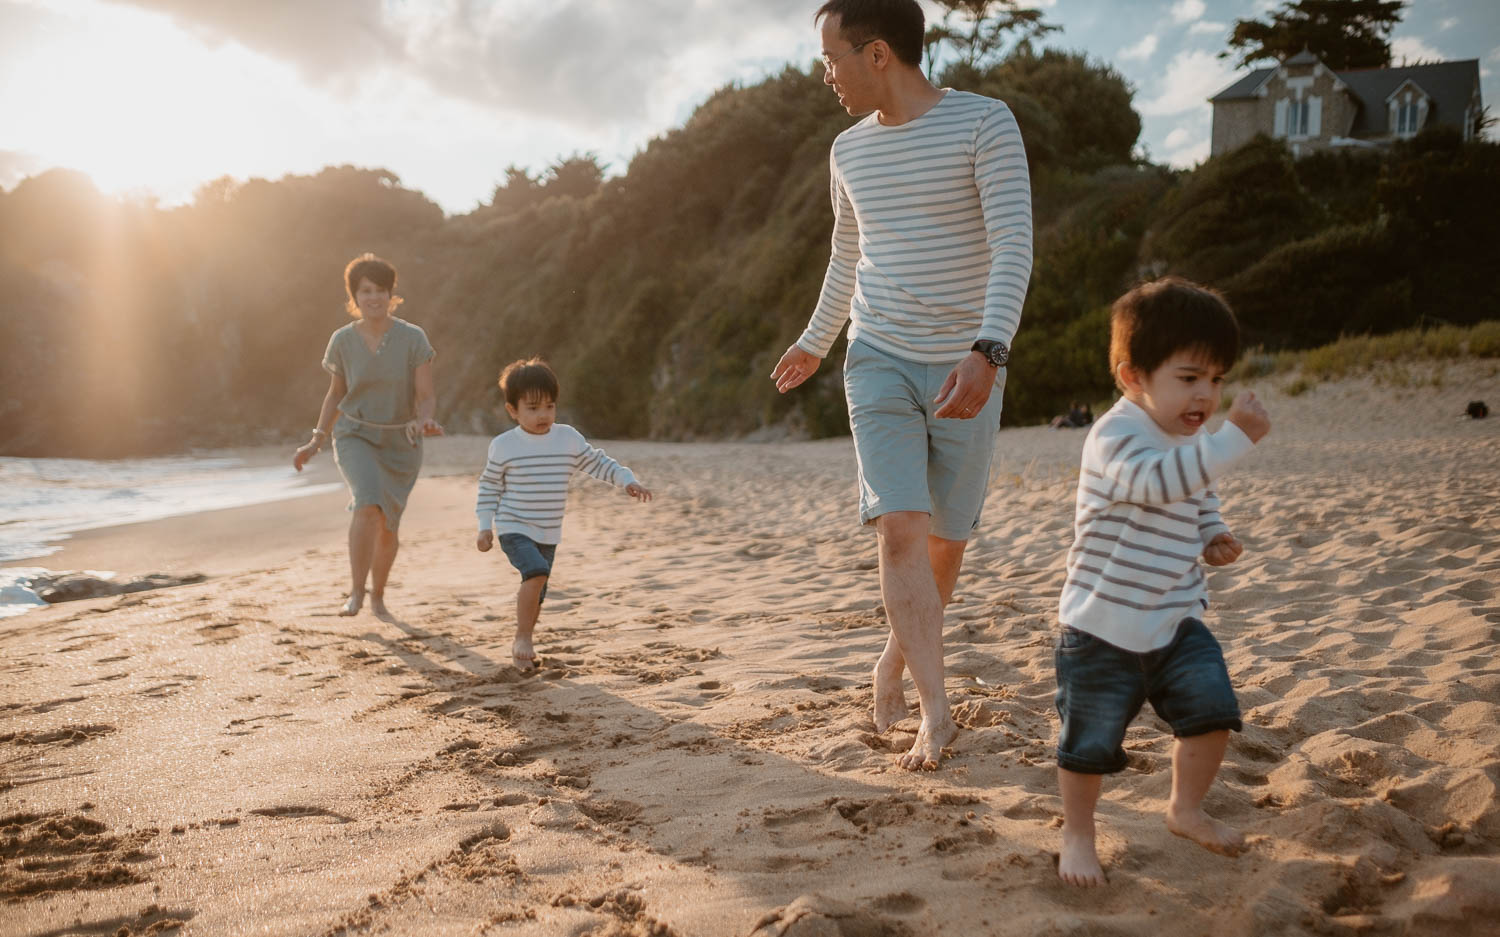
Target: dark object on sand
(70, 587)
(1477, 410)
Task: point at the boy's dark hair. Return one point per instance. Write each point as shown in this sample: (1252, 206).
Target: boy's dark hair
(899, 22)
(372, 268)
(529, 377)
(1156, 320)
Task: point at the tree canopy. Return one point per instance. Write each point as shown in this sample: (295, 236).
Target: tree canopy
(977, 29)
(1342, 33)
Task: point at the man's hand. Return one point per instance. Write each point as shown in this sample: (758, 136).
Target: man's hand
(638, 492)
(967, 388)
(1250, 416)
(794, 367)
(1222, 550)
(485, 540)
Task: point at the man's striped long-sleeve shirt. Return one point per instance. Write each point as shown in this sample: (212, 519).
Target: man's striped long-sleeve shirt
(1146, 508)
(524, 486)
(931, 233)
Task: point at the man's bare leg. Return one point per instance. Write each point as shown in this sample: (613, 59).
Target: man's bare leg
(915, 614)
(1078, 861)
(387, 543)
(364, 528)
(528, 609)
(1195, 764)
(947, 557)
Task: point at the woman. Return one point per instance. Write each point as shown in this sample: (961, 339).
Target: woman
(381, 394)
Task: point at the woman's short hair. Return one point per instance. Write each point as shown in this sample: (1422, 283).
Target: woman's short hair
(1156, 320)
(372, 268)
(529, 377)
(899, 22)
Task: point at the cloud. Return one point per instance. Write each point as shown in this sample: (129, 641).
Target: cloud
(1412, 49)
(16, 165)
(1141, 50)
(1208, 26)
(578, 61)
(1190, 79)
(1448, 23)
(1178, 138)
(1186, 11)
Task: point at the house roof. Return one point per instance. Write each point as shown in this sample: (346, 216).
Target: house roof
(1246, 86)
(1448, 85)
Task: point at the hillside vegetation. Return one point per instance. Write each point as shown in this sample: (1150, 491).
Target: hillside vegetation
(665, 294)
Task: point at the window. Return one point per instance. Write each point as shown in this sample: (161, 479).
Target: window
(1296, 118)
(1406, 119)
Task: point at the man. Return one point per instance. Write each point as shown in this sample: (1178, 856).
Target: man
(931, 257)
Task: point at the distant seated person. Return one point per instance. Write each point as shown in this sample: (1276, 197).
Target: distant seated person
(1078, 415)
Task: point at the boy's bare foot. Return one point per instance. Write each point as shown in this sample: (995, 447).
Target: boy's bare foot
(522, 654)
(351, 607)
(1078, 862)
(378, 609)
(1207, 832)
(890, 700)
(927, 750)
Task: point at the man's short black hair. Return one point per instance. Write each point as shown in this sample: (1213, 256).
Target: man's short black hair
(1156, 320)
(529, 377)
(899, 22)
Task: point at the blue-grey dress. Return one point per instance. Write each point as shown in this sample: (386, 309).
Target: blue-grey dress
(379, 465)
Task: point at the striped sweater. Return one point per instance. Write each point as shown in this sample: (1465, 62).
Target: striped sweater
(1146, 509)
(524, 486)
(931, 233)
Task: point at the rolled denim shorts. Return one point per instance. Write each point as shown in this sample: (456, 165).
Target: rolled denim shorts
(531, 559)
(908, 459)
(1101, 687)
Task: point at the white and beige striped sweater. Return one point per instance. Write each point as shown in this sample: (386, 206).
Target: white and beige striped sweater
(931, 233)
(1146, 508)
(524, 486)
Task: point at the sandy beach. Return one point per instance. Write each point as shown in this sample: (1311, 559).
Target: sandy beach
(696, 756)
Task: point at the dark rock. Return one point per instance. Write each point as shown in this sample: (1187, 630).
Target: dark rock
(70, 587)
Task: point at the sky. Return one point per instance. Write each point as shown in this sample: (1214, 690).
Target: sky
(152, 98)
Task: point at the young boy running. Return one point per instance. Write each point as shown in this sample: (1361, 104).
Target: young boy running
(1146, 511)
(524, 488)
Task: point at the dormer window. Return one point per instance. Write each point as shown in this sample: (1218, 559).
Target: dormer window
(1409, 105)
(1407, 120)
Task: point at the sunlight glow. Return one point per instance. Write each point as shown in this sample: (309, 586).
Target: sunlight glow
(136, 103)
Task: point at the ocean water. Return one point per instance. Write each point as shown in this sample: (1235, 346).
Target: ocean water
(42, 501)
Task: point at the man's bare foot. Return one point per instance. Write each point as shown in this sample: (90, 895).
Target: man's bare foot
(1078, 862)
(522, 654)
(890, 700)
(1207, 832)
(352, 607)
(378, 609)
(927, 750)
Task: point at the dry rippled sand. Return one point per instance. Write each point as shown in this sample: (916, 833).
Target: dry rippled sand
(696, 756)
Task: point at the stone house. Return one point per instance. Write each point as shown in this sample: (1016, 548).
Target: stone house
(1313, 107)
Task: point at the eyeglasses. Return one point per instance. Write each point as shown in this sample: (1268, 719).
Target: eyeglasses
(828, 62)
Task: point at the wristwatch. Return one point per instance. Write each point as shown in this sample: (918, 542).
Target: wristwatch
(994, 352)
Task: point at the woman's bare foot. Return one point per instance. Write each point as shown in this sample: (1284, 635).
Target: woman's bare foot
(352, 607)
(927, 750)
(1207, 832)
(1078, 862)
(890, 699)
(522, 654)
(378, 609)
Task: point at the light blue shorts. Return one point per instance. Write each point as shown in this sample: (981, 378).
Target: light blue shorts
(908, 459)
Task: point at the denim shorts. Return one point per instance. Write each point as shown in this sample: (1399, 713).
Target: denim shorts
(908, 459)
(1101, 687)
(531, 559)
